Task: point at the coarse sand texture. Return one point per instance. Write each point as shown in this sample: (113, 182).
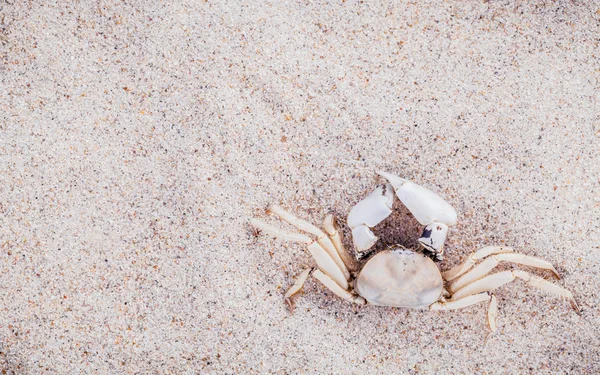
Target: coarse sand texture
(138, 138)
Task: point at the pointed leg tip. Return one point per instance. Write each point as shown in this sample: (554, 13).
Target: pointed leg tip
(575, 307)
(291, 305)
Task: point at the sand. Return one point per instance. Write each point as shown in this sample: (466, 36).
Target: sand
(137, 139)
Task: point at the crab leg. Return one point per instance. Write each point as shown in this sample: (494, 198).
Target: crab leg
(303, 225)
(298, 284)
(329, 273)
(278, 233)
(335, 288)
(327, 265)
(490, 263)
(472, 258)
(335, 237)
(461, 303)
(325, 262)
(322, 238)
(492, 312)
(492, 315)
(496, 280)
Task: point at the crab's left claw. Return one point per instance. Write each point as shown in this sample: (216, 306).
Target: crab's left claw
(366, 214)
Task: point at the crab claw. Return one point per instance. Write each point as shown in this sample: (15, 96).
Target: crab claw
(428, 208)
(367, 213)
(425, 205)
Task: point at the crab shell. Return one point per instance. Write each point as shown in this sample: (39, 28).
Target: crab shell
(400, 278)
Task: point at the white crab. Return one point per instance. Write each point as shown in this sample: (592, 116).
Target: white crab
(400, 277)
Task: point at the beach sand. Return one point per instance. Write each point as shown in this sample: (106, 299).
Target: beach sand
(138, 138)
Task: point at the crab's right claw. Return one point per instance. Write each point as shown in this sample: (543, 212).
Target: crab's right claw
(428, 208)
(425, 205)
(366, 214)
